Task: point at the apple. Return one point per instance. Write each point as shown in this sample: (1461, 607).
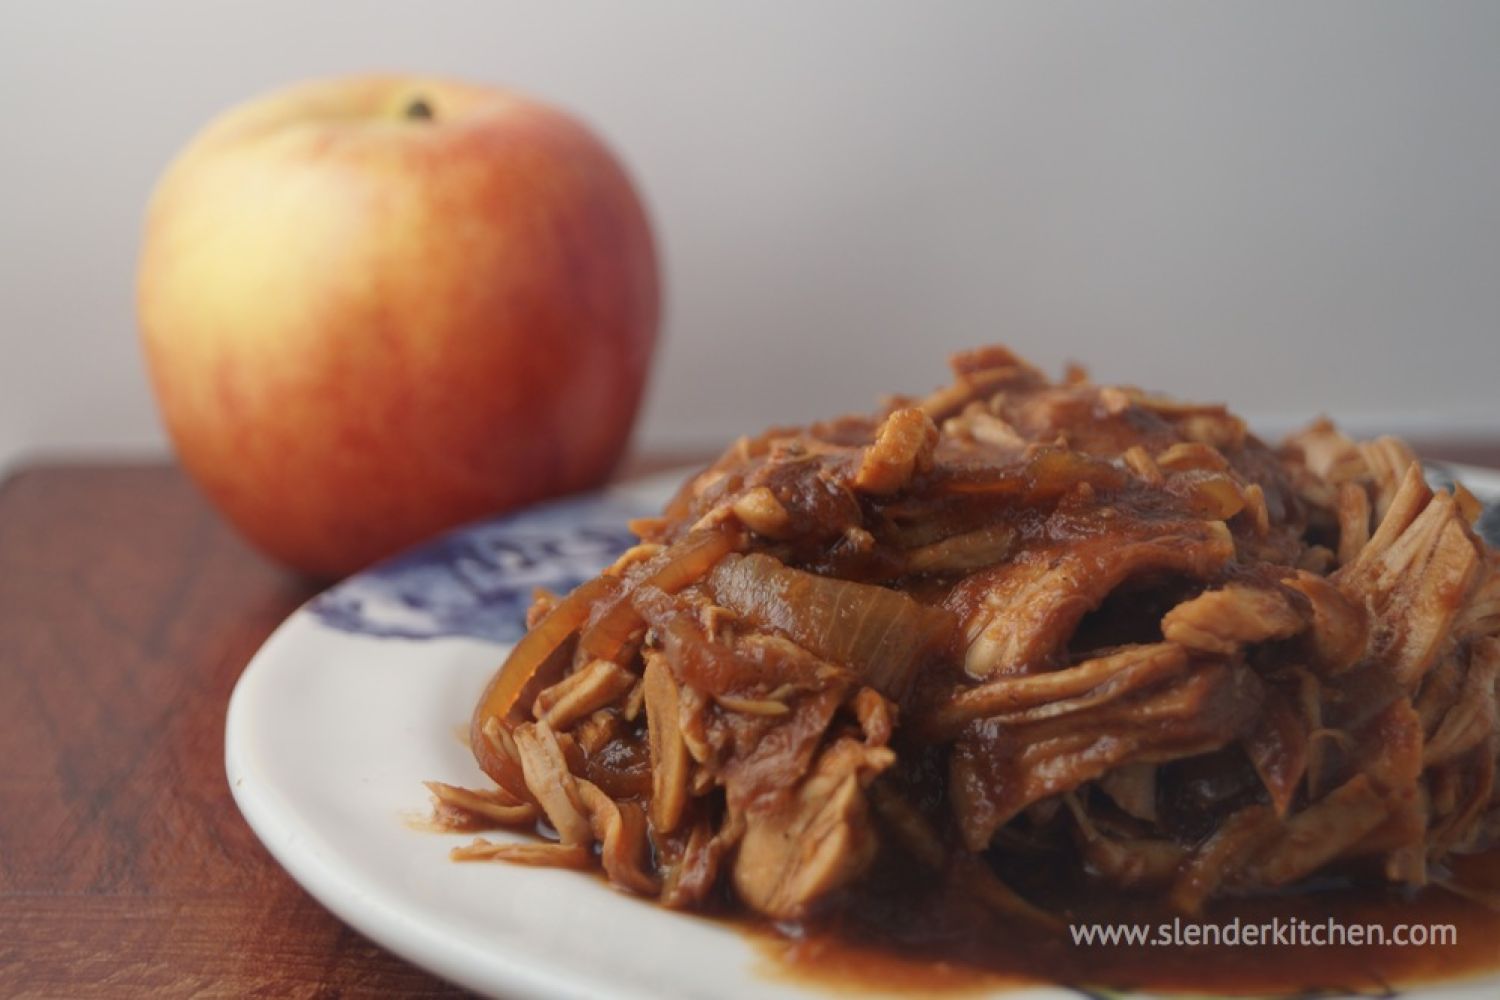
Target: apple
(377, 307)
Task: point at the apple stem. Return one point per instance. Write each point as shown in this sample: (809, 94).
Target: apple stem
(419, 109)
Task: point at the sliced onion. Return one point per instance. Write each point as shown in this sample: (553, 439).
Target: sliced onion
(686, 562)
(683, 563)
(535, 648)
(883, 635)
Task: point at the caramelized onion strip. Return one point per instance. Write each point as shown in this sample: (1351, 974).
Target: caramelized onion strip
(534, 649)
(613, 626)
(881, 634)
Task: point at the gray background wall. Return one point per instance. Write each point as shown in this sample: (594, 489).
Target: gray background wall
(1293, 206)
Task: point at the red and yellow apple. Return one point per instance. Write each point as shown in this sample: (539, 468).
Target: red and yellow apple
(374, 308)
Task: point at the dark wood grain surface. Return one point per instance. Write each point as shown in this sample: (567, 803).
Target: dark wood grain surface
(127, 611)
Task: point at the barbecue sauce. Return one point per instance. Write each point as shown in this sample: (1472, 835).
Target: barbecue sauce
(891, 936)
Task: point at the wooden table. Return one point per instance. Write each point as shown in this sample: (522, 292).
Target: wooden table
(127, 611)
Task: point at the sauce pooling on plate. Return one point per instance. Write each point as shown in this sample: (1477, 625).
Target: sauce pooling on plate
(942, 943)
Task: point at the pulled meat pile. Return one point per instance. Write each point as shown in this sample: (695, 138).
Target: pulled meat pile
(1011, 615)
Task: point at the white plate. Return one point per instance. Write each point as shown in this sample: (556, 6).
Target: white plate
(361, 695)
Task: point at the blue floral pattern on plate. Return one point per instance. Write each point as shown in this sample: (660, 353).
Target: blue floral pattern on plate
(478, 581)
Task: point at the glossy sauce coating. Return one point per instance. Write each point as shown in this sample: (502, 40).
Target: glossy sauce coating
(945, 944)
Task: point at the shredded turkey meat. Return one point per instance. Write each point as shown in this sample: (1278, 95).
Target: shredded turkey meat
(1016, 615)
